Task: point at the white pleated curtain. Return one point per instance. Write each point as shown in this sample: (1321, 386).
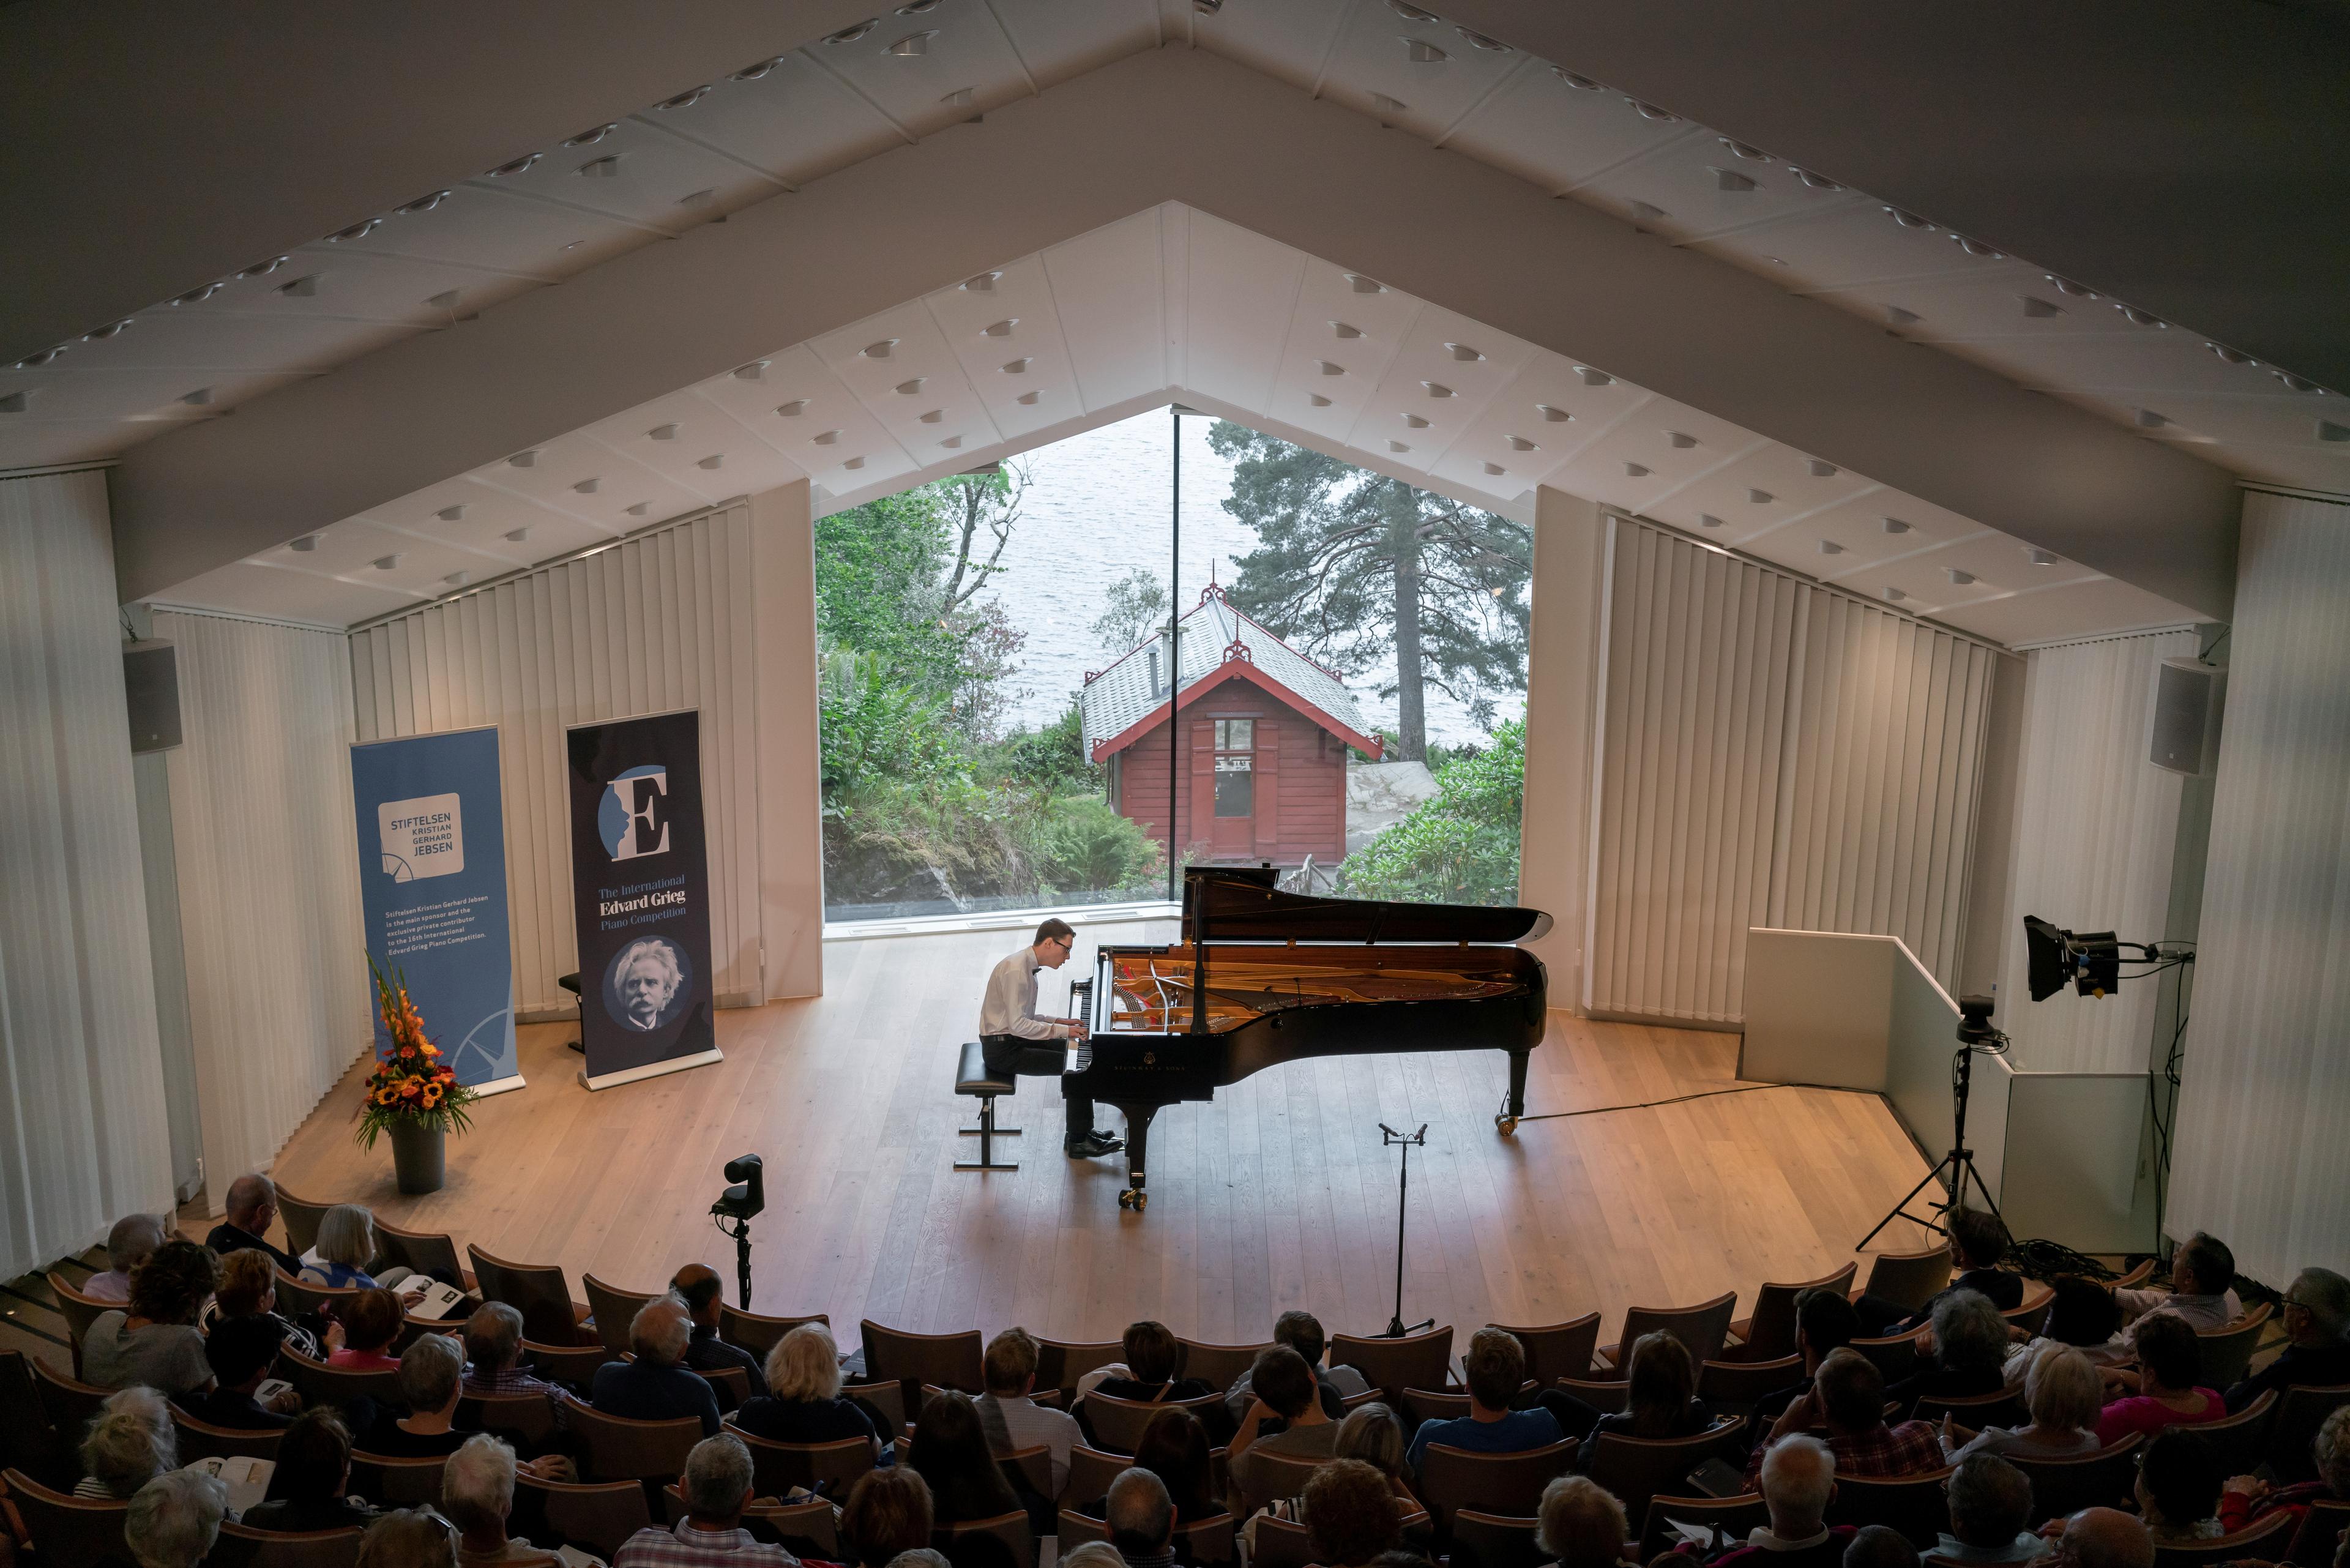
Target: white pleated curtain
(660, 622)
(1771, 753)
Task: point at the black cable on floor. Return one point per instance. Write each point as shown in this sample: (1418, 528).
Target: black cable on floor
(1677, 1099)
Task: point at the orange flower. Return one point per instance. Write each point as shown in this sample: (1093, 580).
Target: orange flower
(431, 1096)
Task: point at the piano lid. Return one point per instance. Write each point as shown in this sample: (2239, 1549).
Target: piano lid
(1241, 905)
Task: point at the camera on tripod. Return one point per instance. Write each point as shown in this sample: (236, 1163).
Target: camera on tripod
(748, 1196)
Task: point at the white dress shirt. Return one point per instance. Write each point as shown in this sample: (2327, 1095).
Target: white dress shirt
(1010, 1006)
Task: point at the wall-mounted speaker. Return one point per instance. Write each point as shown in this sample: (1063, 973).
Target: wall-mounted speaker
(151, 680)
(2183, 718)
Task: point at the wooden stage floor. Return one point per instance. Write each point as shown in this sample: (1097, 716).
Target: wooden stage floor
(1277, 1194)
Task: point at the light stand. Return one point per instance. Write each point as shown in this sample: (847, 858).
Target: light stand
(1390, 1138)
(1975, 1033)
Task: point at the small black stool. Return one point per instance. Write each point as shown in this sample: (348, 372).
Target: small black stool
(975, 1077)
(570, 982)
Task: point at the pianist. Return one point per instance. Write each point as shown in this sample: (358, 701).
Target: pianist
(1015, 1038)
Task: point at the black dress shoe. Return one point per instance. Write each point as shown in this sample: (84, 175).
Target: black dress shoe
(1091, 1146)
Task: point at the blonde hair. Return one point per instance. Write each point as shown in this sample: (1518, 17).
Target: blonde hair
(346, 1235)
(2063, 1391)
(805, 1365)
(246, 1278)
(131, 1442)
(1369, 1433)
(1580, 1522)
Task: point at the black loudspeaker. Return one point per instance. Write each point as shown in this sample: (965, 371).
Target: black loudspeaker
(2183, 726)
(150, 679)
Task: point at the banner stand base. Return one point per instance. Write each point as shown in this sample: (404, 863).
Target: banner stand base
(500, 1086)
(650, 1070)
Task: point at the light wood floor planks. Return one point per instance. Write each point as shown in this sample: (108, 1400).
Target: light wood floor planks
(1277, 1194)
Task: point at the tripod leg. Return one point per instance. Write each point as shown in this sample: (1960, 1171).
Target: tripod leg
(1896, 1212)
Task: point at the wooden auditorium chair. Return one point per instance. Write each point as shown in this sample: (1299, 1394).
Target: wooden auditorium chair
(1453, 1479)
(759, 1333)
(537, 1291)
(1557, 1350)
(1217, 1365)
(1421, 1360)
(1704, 1329)
(1769, 1334)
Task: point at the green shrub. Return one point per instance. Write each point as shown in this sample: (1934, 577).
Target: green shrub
(1083, 845)
(1461, 845)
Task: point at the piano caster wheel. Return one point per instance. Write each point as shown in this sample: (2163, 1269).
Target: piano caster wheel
(1505, 1124)
(1131, 1199)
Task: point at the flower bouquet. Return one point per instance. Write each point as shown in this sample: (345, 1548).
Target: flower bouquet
(412, 1093)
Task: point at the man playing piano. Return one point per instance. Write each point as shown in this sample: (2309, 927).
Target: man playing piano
(1015, 1038)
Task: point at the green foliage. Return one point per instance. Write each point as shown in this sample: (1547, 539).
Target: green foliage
(874, 728)
(1132, 608)
(1461, 845)
(1084, 845)
(878, 569)
(1052, 758)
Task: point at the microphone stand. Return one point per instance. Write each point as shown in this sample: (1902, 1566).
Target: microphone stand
(1390, 1138)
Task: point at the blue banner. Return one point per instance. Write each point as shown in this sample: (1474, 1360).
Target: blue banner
(433, 879)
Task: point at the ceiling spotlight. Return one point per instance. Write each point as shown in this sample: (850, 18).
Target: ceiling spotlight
(1638, 470)
(1017, 367)
(952, 442)
(263, 268)
(715, 460)
(516, 535)
(2148, 420)
(1823, 470)
(198, 295)
(828, 438)
(913, 44)
(358, 231)
(1731, 180)
(1496, 469)
(880, 350)
(1894, 595)
(1896, 316)
(959, 98)
(386, 563)
(909, 389)
(1327, 368)
(1739, 148)
(1556, 416)
(2039, 309)
(2292, 382)
(1000, 329)
(446, 299)
(756, 370)
(523, 460)
(1707, 520)
(1415, 421)
(1580, 84)
(1650, 111)
(1341, 331)
(304, 544)
(1679, 440)
(1387, 106)
(1894, 525)
(1028, 398)
(695, 198)
(1761, 498)
(1978, 250)
(2327, 431)
(1463, 352)
(1817, 182)
(919, 7)
(794, 409)
(687, 99)
(1422, 54)
(457, 579)
(46, 357)
(1959, 579)
(15, 402)
(640, 509)
(451, 513)
(1908, 220)
(2038, 557)
(854, 463)
(1480, 41)
(1520, 444)
(1317, 400)
(753, 73)
(2231, 356)
(1411, 13)
(303, 287)
(1593, 377)
(1362, 285)
(426, 203)
(604, 168)
(111, 329)
(1647, 212)
(2137, 317)
(931, 418)
(1398, 446)
(1830, 548)
(2066, 285)
(983, 284)
(1436, 389)
(662, 432)
(1207, 7)
(518, 166)
(197, 399)
(589, 486)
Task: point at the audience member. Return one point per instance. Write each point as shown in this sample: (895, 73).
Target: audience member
(2202, 1272)
(1825, 1322)
(2248, 1499)
(252, 1208)
(241, 1351)
(705, 1294)
(1494, 1369)
(1088, 1554)
(2177, 1490)
(1174, 1447)
(154, 1341)
(2169, 1362)
(1991, 1505)
(431, 1381)
(409, 1538)
(2317, 1330)
(1372, 1434)
(1847, 1401)
(889, 1512)
(1966, 1342)
(717, 1488)
(2101, 1538)
(345, 1248)
(477, 1493)
(951, 1453)
(804, 1403)
(130, 1443)
(1283, 1388)
(175, 1519)
(1015, 1420)
(1148, 1373)
(1659, 1397)
(1351, 1514)
(131, 1241)
(2065, 1398)
(1580, 1523)
(246, 1287)
(372, 1320)
(493, 1356)
(1302, 1332)
(1142, 1519)
(656, 1385)
(313, 1467)
(1978, 1241)
(1798, 1479)
(1879, 1546)
(2082, 1316)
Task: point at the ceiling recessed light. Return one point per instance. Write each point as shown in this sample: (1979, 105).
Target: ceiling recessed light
(1341, 331)
(1555, 415)
(756, 370)
(1017, 367)
(1823, 470)
(453, 513)
(1894, 595)
(1423, 53)
(1739, 148)
(1496, 469)
(754, 73)
(952, 442)
(1028, 398)
(111, 329)
(1579, 83)
(662, 432)
(446, 299)
(518, 166)
(1647, 212)
(2039, 309)
(46, 357)
(1387, 106)
(1730, 180)
(523, 459)
(1593, 378)
(1908, 220)
(931, 418)
(604, 168)
(1896, 316)
(1830, 548)
(1480, 41)
(458, 579)
(2231, 356)
(1415, 421)
(854, 463)
(913, 46)
(1520, 444)
(1680, 440)
(1761, 498)
(358, 231)
(1894, 525)
(590, 138)
(1463, 352)
(2327, 431)
(1362, 285)
(1650, 111)
(426, 203)
(198, 295)
(2137, 317)
(2148, 420)
(304, 544)
(911, 387)
(1959, 579)
(640, 509)
(1208, 7)
(695, 198)
(15, 402)
(1410, 12)
(2038, 557)
(589, 486)
(263, 268)
(1398, 446)
(1317, 400)
(1638, 470)
(2292, 382)
(1000, 329)
(828, 438)
(1436, 389)
(715, 460)
(516, 535)
(983, 284)
(880, 350)
(1327, 368)
(2066, 285)
(1707, 520)
(387, 563)
(1978, 250)
(303, 287)
(1815, 181)
(198, 399)
(794, 409)
(687, 99)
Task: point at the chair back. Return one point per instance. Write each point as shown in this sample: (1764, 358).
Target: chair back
(910, 1360)
(1769, 1333)
(1742, 1385)
(1427, 1404)
(537, 1291)
(1280, 1544)
(1557, 1350)
(2320, 1535)
(1916, 1505)
(301, 1218)
(1031, 1466)
(730, 1384)
(1896, 1354)
(1081, 1530)
(757, 1332)
(2031, 1315)
(1090, 1472)
(323, 1385)
(2135, 1277)
(78, 1310)
(1703, 1328)
(1453, 1479)
(615, 1448)
(828, 1468)
(613, 1310)
(1636, 1468)
(241, 1547)
(1607, 1396)
(1214, 1540)
(572, 1363)
(72, 1405)
(67, 1529)
(2263, 1540)
(1119, 1424)
(1061, 1362)
(1907, 1279)
(26, 1441)
(594, 1518)
(412, 1329)
(1273, 1476)
(202, 1441)
(2239, 1440)
(889, 1398)
(2061, 1488)
(769, 1521)
(296, 1296)
(1392, 1366)
(1011, 1528)
(1217, 1365)
(397, 1482)
(525, 1420)
(2293, 1431)
(424, 1251)
(1976, 1411)
(1733, 1517)
(2228, 1349)
(1496, 1541)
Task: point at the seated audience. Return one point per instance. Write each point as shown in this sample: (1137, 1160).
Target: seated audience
(2083, 1316)
(154, 1341)
(1142, 1519)
(704, 1293)
(313, 1467)
(1302, 1332)
(804, 1403)
(1350, 1515)
(1372, 1434)
(889, 1512)
(1798, 1479)
(131, 1242)
(130, 1443)
(1580, 1523)
(2202, 1272)
(2169, 1361)
(477, 1492)
(1283, 1388)
(1012, 1420)
(2065, 1398)
(2248, 1499)
(2317, 1329)
(1495, 1367)
(1149, 1373)
(345, 1248)
(409, 1538)
(1174, 1447)
(950, 1454)
(1879, 1546)
(372, 1320)
(717, 1488)
(175, 1519)
(1967, 1346)
(1659, 1397)
(2179, 1489)
(1088, 1554)
(657, 1386)
(431, 1381)
(246, 1286)
(252, 1208)
(2101, 1538)
(1825, 1322)
(1991, 1505)
(241, 1351)
(493, 1356)
(1978, 1241)
(1847, 1401)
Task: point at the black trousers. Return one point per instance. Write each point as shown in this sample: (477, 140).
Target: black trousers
(1039, 1059)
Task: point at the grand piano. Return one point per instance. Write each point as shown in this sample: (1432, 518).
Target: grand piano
(1260, 976)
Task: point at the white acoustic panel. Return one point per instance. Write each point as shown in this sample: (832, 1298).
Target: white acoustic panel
(1110, 296)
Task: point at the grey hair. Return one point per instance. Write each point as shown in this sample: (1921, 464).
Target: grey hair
(1579, 1520)
(429, 1371)
(131, 1442)
(175, 1519)
(1991, 1500)
(661, 1331)
(1138, 1508)
(1369, 1433)
(249, 1192)
(493, 1337)
(477, 1489)
(924, 1557)
(717, 1477)
(1092, 1554)
(346, 1235)
(132, 1240)
(1798, 1473)
(2332, 1451)
(1968, 1330)
(2325, 1296)
(409, 1538)
(653, 948)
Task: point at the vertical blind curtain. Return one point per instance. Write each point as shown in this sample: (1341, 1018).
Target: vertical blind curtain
(277, 996)
(2262, 1159)
(662, 621)
(83, 1136)
(1771, 753)
(2096, 825)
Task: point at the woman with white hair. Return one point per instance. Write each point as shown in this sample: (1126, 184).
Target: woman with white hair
(345, 1248)
(130, 1443)
(477, 1493)
(175, 1519)
(804, 1403)
(1968, 1349)
(1580, 1523)
(2064, 1395)
(409, 1538)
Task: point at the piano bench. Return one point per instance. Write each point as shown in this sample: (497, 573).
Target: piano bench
(974, 1076)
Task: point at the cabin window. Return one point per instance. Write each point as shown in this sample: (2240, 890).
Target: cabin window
(1235, 767)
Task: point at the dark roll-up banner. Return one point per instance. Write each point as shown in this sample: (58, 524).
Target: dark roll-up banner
(640, 885)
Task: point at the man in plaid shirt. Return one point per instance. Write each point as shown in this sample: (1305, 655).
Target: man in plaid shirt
(1847, 1405)
(717, 1488)
(493, 1353)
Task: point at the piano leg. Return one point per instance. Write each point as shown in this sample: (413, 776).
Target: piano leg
(1505, 1121)
(1138, 1150)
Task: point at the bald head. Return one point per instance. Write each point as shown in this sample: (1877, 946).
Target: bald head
(2106, 1538)
(252, 1202)
(1139, 1514)
(700, 1288)
(1798, 1479)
